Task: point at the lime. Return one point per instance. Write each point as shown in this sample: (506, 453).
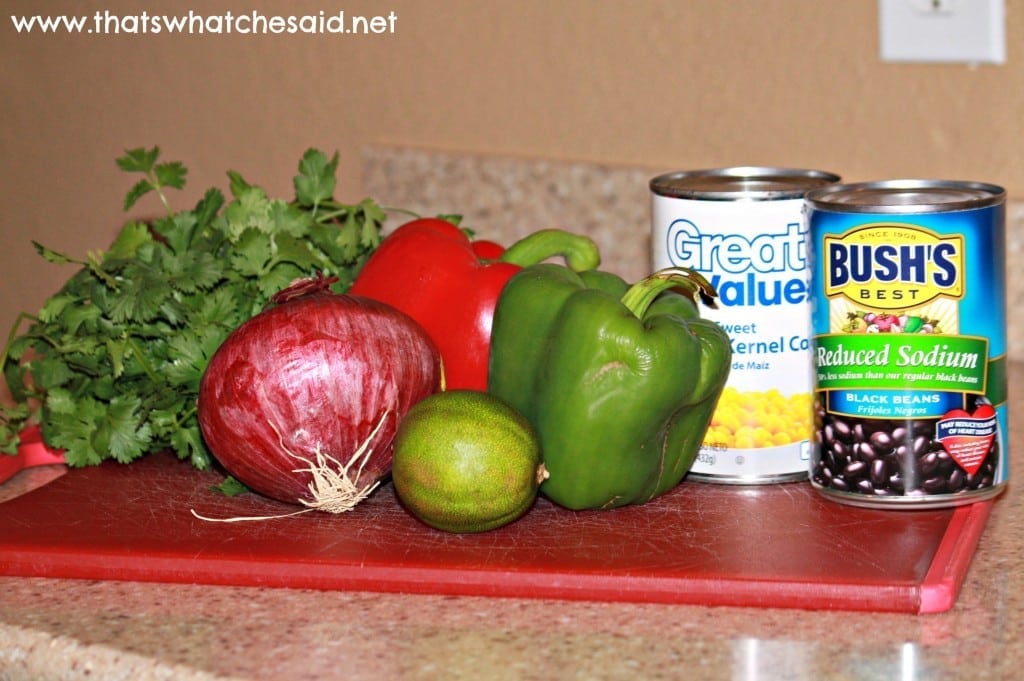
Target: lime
(465, 461)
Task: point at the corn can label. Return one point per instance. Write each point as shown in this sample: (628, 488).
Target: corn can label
(743, 229)
(909, 335)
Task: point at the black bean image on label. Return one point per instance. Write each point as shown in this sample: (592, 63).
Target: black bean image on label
(886, 457)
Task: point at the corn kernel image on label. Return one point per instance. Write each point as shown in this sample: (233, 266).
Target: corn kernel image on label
(743, 229)
(909, 330)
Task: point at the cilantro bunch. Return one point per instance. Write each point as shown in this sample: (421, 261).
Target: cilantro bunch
(110, 367)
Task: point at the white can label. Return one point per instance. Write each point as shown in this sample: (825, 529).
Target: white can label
(754, 254)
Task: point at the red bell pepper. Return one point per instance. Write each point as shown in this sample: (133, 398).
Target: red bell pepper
(432, 271)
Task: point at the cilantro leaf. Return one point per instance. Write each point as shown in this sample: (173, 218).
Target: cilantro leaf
(278, 278)
(230, 487)
(56, 306)
(90, 431)
(142, 293)
(316, 181)
(176, 230)
(52, 256)
(123, 432)
(191, 352)
(138, 160)
(289, 219)
(69, 425)
(11, 416)
(207, 207)
(187, 444)
(196, 271)
(249, 210)
(138, 190)
(372, 212)
(170, 174)
(238, 183)
(251, 254)
(131, 237)
(81, 317)
(48, 373)
(291, 249)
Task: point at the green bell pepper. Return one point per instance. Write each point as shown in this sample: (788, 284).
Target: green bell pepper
(619, 381)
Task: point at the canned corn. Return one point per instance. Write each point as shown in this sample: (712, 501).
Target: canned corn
(743, 229)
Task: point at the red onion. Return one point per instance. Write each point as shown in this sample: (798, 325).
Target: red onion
(302, 401)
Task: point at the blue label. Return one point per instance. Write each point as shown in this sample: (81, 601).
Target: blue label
(908, 322)
(893, 403)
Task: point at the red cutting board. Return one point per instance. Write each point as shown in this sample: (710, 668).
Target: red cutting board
(775, 546)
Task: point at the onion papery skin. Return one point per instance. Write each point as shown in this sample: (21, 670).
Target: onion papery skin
(313, 374)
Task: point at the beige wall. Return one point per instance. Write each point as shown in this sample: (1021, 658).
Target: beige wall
(661, 83)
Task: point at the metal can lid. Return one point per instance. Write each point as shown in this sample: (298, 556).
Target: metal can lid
(754, 183)
(906, 196)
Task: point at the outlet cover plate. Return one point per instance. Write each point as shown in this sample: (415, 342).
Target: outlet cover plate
(942, 31)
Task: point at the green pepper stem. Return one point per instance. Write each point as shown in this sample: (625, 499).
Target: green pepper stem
(641, 294)
(580, 252)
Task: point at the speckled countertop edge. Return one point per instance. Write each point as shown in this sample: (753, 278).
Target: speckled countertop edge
(31, 654)
(505, 197)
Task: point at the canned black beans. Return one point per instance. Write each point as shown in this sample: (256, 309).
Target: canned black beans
(908, 300)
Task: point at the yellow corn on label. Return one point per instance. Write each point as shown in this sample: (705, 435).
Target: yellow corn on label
(759, 419)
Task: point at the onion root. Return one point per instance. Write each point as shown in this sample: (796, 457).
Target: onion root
(332, 488)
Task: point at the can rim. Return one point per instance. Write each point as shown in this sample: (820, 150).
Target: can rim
(904, 196)
(758, 183)
(908, 502)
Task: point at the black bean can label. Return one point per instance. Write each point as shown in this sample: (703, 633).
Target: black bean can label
(908, 318)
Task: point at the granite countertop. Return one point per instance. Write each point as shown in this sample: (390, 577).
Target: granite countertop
(68, 629)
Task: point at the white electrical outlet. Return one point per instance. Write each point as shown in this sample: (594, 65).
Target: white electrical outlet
(942, 31)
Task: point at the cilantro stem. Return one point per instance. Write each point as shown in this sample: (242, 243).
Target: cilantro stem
(13, 334)
(327, 217)
(141, 356)
(163, 197)
(186, 415)
(158, 187)
(341, 210)
(401, 211)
